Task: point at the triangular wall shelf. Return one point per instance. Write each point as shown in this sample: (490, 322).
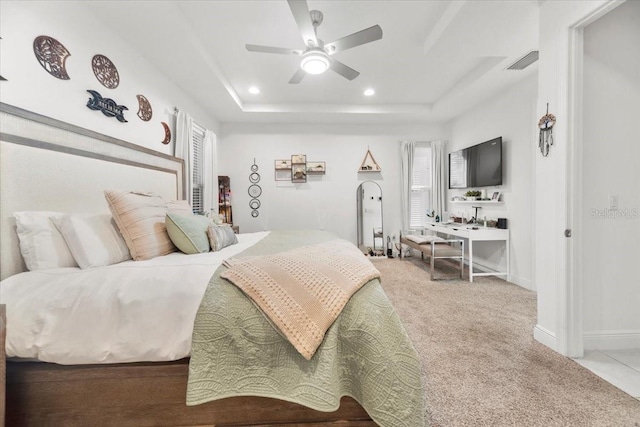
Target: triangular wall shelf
(369, 164)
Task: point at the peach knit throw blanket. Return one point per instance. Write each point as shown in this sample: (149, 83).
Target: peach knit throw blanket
(302, 291)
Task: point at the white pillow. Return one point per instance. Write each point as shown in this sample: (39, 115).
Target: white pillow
(41, 244)
(93, 240)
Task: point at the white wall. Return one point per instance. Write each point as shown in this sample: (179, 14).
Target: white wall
(551, 210)
(611, 155)
(30, 87)
(512, 116)
(326, 201)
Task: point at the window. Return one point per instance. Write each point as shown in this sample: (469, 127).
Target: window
(197, 169)
(421, 186)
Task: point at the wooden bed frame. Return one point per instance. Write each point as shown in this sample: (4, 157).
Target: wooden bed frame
(137, 394)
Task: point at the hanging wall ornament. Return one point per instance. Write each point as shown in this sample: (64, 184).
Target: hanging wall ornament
(254, 190)
(167, 133)
(545, 124)
(52, 55)
(105, 71)
(144, 108)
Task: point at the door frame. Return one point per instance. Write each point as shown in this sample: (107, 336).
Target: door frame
(574, 168)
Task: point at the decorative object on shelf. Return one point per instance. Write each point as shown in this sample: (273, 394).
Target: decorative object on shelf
(144, 108)
(546, 124)
(298, 168)
(495, 197)
(108, 106)
(369, 164)
(473, 195)
(254, 190)
(282, 164)
(316, 168)
(167, 133)
(224, 200)
(52, 55)
(105, 71)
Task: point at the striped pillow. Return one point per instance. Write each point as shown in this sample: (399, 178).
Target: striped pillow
(140, 218)
(221, 236)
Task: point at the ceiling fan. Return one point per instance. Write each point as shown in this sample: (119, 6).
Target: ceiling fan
(317, 56)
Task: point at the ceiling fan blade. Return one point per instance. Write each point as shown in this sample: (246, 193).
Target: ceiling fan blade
(345, 71)
(298, 76)
(300, 11)
(272, 49)
(356, 39)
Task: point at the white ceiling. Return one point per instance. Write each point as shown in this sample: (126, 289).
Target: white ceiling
(436, 58)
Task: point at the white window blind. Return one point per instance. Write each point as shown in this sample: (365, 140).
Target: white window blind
(197, 169)
(421, 186)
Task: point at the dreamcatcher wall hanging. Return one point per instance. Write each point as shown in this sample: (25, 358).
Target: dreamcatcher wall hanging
(545, 124)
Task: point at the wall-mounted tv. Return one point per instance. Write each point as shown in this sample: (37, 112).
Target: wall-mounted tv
(476, 166)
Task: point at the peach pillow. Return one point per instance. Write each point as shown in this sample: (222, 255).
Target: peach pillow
(140, 218)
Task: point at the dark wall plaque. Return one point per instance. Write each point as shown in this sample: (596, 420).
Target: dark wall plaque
(108, 106)
(52, 55)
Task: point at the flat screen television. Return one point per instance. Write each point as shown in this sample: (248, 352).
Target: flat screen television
(476, 166)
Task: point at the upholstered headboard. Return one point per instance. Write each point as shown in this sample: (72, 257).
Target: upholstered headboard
(46, 164)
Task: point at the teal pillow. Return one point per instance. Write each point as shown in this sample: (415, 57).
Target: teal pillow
(188, 232)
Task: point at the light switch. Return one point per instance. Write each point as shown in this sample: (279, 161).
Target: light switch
(613, 202)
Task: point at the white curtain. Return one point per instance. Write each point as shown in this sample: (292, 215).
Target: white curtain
(210, 172)
(407, 149)
(438, 188)
(184, 141)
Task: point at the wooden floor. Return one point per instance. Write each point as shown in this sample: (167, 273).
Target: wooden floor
(145, 394)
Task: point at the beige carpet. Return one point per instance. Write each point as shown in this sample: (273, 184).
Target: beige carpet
(482, 366)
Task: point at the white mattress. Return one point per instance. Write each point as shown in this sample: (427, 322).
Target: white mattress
(128, 312)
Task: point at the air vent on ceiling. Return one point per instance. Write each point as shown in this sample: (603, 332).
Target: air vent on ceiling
(525, 61)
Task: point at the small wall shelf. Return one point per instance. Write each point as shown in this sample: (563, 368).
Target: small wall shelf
(477, 202)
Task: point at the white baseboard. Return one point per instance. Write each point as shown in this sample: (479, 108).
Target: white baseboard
(545, 337)
(611, 340)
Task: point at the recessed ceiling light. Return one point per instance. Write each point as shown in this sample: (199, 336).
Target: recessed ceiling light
(254, 90)
(369, 92)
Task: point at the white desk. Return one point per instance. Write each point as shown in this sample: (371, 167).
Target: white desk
(481, 234)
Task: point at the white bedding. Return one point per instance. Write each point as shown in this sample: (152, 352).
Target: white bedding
(128, 312)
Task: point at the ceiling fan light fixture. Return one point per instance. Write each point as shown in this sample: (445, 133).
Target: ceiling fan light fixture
(315, 62)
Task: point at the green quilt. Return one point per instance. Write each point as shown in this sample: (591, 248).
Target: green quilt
(366, 353)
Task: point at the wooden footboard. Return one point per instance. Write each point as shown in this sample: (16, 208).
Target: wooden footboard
(145, 394)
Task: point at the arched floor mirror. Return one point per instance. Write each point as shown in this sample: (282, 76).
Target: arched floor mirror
(369, 212)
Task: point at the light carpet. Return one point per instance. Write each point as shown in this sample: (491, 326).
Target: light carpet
(481, 364)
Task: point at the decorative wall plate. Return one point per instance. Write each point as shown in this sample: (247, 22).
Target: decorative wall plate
(167, 133)
(254, 213)
(52, 55)
(254, 177)
(105, 71)
(255, 190)
(144, 108)
(254, 204)
(254, 168)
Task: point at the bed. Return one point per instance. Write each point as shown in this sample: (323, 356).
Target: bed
(56, 379)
